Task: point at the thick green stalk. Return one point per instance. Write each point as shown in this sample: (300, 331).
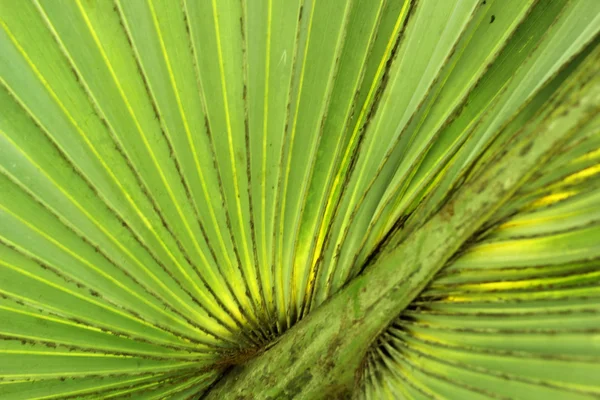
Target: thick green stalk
(320, 356)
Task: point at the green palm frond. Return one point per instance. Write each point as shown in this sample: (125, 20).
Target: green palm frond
(371, 198)
(516, 313)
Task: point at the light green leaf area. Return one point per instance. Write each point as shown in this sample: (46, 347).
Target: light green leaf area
(182, 182)
(516, 314)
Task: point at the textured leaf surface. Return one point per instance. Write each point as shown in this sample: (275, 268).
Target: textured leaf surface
(516, 314)
(182, 181)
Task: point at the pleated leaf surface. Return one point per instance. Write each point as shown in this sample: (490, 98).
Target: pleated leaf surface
(183, 181)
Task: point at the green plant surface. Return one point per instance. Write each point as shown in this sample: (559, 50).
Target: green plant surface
(255, 199)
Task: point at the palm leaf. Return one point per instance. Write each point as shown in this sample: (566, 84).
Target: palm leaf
(515, 313)
(192, 185)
